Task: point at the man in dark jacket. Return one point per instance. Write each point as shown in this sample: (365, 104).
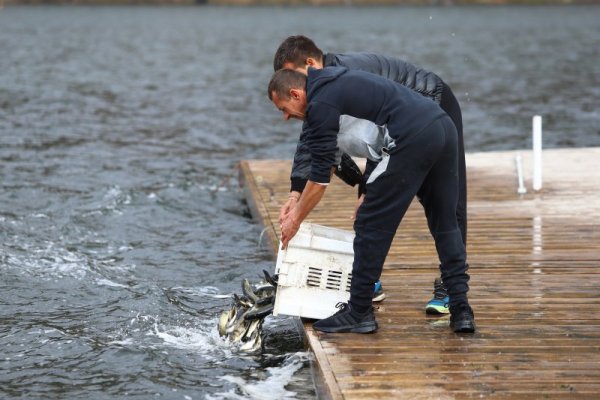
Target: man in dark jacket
(301, 52)
(416, 147)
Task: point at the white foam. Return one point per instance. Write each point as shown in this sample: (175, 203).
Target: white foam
(208, 291)
(52, 261)
(271, 388)
(125, 342)
(204, 339)
(107, 282)
(39, 215)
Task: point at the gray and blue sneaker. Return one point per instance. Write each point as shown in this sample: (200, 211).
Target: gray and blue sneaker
(378, 294)
(440, 300)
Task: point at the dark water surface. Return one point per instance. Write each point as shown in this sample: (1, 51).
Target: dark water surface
(122, 226)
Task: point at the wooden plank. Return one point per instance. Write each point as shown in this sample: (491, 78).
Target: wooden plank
(327, 384)
(258, 203)
(534, 286)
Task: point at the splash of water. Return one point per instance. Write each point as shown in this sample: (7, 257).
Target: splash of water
(271, 388)
(203, 339)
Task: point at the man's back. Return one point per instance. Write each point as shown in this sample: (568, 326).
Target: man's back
(336, 91)
(371, 97)
(418, 79)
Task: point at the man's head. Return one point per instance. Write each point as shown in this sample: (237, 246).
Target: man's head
(297, 52)
(287, 90)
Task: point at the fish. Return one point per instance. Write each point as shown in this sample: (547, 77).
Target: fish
(253, 339)
(222, 325)
(254, 326)
(248, 292)
(264, 290)
(233, 314)
(273, 280)
(264, 301)
(243, 322)
(239, 330)
(259, 312)
(241, 301)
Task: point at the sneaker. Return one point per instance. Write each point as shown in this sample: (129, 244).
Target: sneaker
(378, 294)
(439, 302)
(347, 320)
(462, 319)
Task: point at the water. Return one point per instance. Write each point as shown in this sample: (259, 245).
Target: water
(123, 229)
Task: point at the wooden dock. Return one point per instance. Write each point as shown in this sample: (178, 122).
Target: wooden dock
(535, 288)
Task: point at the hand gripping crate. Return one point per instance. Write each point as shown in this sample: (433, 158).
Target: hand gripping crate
(314, 272)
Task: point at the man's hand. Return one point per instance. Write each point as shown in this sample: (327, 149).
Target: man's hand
(289, 227)
(290, 221)
(289, 205)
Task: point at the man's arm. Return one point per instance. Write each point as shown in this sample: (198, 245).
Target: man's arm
(323, 126)
(301, 164)
(298, 176)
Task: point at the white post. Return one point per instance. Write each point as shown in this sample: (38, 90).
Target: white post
(537, 153)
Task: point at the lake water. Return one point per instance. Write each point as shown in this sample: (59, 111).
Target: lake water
(123, 229)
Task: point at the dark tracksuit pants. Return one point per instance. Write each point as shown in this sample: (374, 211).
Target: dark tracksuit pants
(450, 105)
(426, 163)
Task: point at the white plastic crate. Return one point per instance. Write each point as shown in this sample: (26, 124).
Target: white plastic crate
(314, 272)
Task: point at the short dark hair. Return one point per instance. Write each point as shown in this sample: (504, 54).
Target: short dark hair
(283, 80)
(296, 49)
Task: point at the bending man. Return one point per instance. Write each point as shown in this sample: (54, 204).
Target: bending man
(417, 147)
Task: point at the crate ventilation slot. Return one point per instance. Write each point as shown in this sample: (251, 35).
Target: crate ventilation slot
(331, 279)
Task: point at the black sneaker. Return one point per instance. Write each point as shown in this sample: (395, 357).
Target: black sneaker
(462, 319)
(347, 320)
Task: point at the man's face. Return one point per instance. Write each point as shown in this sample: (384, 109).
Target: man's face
(294, 106)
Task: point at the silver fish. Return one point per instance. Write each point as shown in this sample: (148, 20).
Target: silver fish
(223, 320)
(247, 289)
(241, 301)
(239, 330)
(273, 280)
(233, 316)
(259, 312)
(253, 338)
(263, 289)
(254, 327)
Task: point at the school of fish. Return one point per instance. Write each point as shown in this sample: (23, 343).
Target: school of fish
(242, 323)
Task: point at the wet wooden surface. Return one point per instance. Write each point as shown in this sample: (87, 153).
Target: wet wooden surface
(535, 288)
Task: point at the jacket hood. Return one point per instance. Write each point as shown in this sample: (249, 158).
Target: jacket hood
(319, 77)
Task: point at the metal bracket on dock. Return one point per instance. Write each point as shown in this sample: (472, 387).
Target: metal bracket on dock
(521, 189)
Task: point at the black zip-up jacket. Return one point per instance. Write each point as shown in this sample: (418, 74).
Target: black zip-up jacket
(420, 80)
(336, 91)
